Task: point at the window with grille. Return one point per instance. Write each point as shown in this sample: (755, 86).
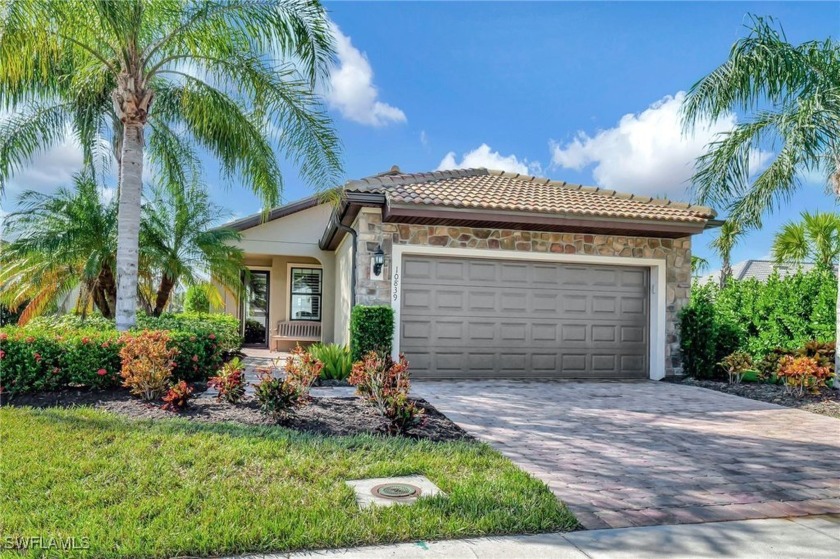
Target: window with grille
(306, 294)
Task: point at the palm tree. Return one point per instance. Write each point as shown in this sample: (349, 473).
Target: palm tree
(723, 244)
(790, 95)
(219, 75)
(62, 242)
(180, 244)
(815, 238)
(699, 265)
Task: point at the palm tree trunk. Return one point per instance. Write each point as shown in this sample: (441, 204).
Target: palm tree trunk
(163, 293)
(131, 188)
(725, 271)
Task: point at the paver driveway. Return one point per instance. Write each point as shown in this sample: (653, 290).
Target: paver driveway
(641, 453)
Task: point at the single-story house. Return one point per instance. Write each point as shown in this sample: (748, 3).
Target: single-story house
(490, 274)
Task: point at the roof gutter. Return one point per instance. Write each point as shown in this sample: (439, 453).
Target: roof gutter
(345, 214)
(713, 224)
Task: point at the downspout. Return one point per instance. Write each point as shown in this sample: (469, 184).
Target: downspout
(341, 227)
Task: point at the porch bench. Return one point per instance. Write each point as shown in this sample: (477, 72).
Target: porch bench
(296, 331)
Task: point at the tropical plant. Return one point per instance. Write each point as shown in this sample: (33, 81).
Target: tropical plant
(790, 96)
(196, 299)
(699, 265)
(385, 385)
(815, 238)
(230, 381)
(723, 244)
(736, 365)
(802, 373)
(180, 243)
(177, 397)
(336, 359)
(62, 241)
(225, 75)
(302, 370)
(147, 363)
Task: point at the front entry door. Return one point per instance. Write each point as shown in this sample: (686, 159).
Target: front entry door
(255, 326)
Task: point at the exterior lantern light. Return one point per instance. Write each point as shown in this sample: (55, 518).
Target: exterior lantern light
(378, 261)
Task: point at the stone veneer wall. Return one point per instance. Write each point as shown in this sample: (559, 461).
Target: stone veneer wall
(675, 252)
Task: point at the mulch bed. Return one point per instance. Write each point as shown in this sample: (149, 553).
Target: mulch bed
(323, 416)
(827, 402)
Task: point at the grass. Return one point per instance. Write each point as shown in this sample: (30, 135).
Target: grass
(164, 488)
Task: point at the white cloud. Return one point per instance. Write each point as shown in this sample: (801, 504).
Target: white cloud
(645, 153)
(352, 91)
(484, 156)
(424, 138)
(48, 170)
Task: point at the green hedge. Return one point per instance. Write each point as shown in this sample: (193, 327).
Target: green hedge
(755, 317)
(50, 355)
(371, 329)
(224, 327)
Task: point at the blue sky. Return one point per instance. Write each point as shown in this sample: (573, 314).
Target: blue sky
(583, 92)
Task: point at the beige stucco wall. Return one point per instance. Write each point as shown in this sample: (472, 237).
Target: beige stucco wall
(676, 253)
(343, 271)
(292, 239)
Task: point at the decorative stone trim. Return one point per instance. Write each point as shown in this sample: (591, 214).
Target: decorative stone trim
(675, 252)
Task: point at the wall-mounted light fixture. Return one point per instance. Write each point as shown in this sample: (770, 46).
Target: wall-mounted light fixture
(378, 261)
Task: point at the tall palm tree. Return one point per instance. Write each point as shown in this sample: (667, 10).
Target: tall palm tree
(219, 75)
(61, 242)
(180, 243)
(723, 244)
(790, 95)
(815, 238)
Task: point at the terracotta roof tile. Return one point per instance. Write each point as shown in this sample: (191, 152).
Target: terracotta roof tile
(499, 190)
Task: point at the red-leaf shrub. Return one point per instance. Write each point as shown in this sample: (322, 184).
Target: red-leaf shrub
(735, 365)
(802, 373)
(146, 363)
(177, 397)
(385, 385)
(230, 381)
(278, 397)
(302, 370)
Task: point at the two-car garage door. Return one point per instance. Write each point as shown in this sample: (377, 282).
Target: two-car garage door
(485, 318)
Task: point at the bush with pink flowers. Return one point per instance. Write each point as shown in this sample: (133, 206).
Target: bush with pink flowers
(39, 358)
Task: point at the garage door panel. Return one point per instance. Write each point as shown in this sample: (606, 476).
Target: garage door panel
(490, 318)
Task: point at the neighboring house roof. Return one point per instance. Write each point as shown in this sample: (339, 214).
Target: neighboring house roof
(484, 189)
(760, 270)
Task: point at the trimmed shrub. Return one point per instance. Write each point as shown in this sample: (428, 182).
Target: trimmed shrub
(371, 329)
(196, 300)
(336, 359)
(34, 359)
(146, 363)
(763, 319)
(38, 359)
(697, 336)
(222, 329)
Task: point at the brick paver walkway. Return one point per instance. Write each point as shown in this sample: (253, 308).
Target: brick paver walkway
(633, 454)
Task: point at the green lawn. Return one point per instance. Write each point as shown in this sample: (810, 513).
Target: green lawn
(158, 489)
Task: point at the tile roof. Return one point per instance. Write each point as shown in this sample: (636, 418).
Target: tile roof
(760, 270)
(503, 191)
